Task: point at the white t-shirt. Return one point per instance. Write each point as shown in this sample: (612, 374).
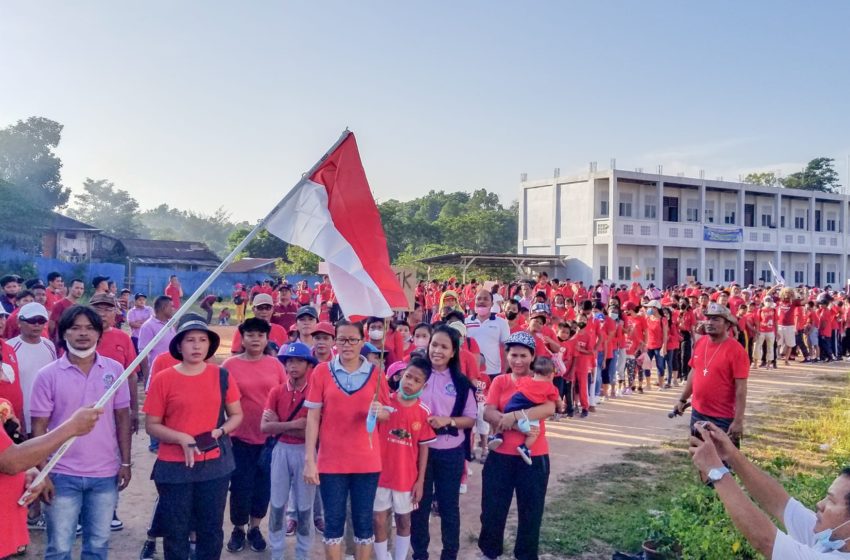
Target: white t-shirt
(497, 303)
(797, 543)
(490, 336)
(31, 358)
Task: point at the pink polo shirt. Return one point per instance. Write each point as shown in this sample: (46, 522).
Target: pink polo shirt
(60, 388)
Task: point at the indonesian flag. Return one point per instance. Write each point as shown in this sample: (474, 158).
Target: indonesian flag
(332, 214)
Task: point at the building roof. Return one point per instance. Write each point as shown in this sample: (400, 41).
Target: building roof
(249, 265)
(64, 223)
(493, 259)
(154, 251)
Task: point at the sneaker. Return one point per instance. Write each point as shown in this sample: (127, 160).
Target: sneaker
(319, 524)
(37, 523)
(255, 537)
(237, 540)
(291, 527)
(79, 530)
(591, 408)
(148, 550)
(468, 470)
(584, 414)
(640, 390)
(525, 453)
(494, 441)
(463, 488)
(116, 524)
(667, 386)
(627, 391)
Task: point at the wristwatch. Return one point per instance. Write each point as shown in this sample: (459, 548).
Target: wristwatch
(452, 423)
(715, 474)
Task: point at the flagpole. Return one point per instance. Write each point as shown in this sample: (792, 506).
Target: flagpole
(182, 310)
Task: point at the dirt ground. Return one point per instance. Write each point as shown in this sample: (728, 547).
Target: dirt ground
(576, 446)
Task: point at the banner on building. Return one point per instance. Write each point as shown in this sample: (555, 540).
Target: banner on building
(723, 235)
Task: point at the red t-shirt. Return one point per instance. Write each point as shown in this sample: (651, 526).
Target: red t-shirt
(536, 391)
(116, 344)
(13, 529)
(767, 320)
(278, 335)
(401, 437)
(468, 364)
(173, 292)
(635, 327)
(304, 296)
(255, 380)
(188, 404)
(501, 391)
(584, 340)
(568, 356)
(346, 445)
(655, 333)
(282, 400)
(540, 348)
(11, 391)
(58, 309)
(284, 314)
(826, 317)
(163, 362)
(714, 393)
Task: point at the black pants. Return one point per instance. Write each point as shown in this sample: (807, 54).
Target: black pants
(685, 352)
(197, 506)
(250, 486)
(565, 391)
(442, 480)
(504, 474)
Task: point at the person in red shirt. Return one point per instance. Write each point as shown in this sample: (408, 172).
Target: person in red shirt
(284, 310)
(240, 301)
(826, 329)
(256, 374)
(585, 356)
(405, 437)
(263, 308)
(656, 338)
(304, 294)
(285, 418)
(718, 385)
(347, 396)
(75, 292)
(190, 409)
(766, 325)
(174, 290)
(635, 333)
(671, 360)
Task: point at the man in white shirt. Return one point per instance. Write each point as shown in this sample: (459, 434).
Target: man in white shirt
(810, 535)
(32, 350)
(489, 331)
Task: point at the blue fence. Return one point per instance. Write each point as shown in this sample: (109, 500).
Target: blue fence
(148, 279)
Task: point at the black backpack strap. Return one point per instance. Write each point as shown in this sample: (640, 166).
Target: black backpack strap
(223, 385)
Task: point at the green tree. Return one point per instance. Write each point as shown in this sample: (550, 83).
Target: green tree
(113, 210)
(28, 160)
(22, 218)
(819, 175)
(765, 179)
(264, 245)
(298, 261)
(164, 222)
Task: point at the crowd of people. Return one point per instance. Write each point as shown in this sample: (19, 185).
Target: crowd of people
(356, 430)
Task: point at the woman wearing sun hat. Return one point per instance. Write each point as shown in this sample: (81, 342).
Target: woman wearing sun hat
(191, 408)
(505, 472)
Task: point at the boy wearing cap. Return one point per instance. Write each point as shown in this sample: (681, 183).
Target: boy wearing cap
(256, 374)
(285, 417)
(323, 340)
(306, 320)
(263, 306)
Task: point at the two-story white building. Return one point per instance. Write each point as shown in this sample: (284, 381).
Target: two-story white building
(619, 225)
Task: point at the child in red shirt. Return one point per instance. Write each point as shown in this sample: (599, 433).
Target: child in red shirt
(564, 383)
(405, 437)
(531, 391)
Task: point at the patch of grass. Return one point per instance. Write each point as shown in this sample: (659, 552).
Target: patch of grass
(800, 438)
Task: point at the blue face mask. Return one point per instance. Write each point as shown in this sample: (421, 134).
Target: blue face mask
(824, 542)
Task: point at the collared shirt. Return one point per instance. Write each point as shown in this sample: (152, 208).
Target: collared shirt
(283, 399)
(350, 381)
(31, 358)
(490, 335)
(148, 330)
(439, 396)
(138, 314)
(61, 388)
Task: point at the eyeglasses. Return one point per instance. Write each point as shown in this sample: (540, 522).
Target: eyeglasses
(264, 307)
(348, 341)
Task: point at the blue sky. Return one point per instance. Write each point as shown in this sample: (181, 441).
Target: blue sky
(202, 104)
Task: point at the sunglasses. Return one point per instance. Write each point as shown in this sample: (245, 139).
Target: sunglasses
(35, 321)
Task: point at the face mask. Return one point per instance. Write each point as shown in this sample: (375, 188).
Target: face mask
(559, 305)
(650, 311)
(582, 325)
(823, 542)
(376, 334)
(683, 307)
(420, 343)
(80, 353)
(511, 315)
(614, 316)
(405, 397)
(482, 310)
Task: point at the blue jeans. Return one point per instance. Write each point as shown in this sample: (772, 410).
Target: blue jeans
(336, 489)
(655, 354)
(92, 501)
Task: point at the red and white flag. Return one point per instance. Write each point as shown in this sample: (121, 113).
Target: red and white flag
(332, 214)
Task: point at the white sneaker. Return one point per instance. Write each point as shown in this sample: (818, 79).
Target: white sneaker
(463, 488)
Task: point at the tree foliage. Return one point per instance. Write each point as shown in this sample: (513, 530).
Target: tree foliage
(28, 160)
(819, 175)
(22, 219)
(113, 210)
(298, 261)
(264, 245)
(766, 179)
(164, 222)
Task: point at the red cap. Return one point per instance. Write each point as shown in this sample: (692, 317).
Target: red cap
(324, 327)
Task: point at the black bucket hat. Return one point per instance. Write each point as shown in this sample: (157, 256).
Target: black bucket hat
(195, 323)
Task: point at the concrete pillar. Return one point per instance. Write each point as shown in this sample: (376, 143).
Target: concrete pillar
(842, 228)
(739, 218)
(659, 267)
(739, 267)
(810, 279)
(612, 261)
(659, 191)
(702, 275)
(811, 219)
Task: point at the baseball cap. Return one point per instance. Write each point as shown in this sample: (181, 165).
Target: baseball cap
(262, 299)
(459, 327)
(717, 310)
(325, 328)
(107, 299)
(98, 279)
(521, 338)
(296, 350)
(307, 310)
(539, 309)
(139, 294)
(32, 310)
(369, 348)
(654, 303)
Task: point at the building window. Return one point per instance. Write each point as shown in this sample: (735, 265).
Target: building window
(649, 211)
(603, 271)
(799, 222)
(798, 277)
(689, 233)
(645, 230)
(766, 275)
(728, 274)
(650, 274)
(830, 277)
(782, 221)
(831, 225)
(692, 214)
(765, 220)
(628, 229)
(624, 273)
(625, 205)
(711, 275)
(691, 272)
(709, 215)
(603, 208)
